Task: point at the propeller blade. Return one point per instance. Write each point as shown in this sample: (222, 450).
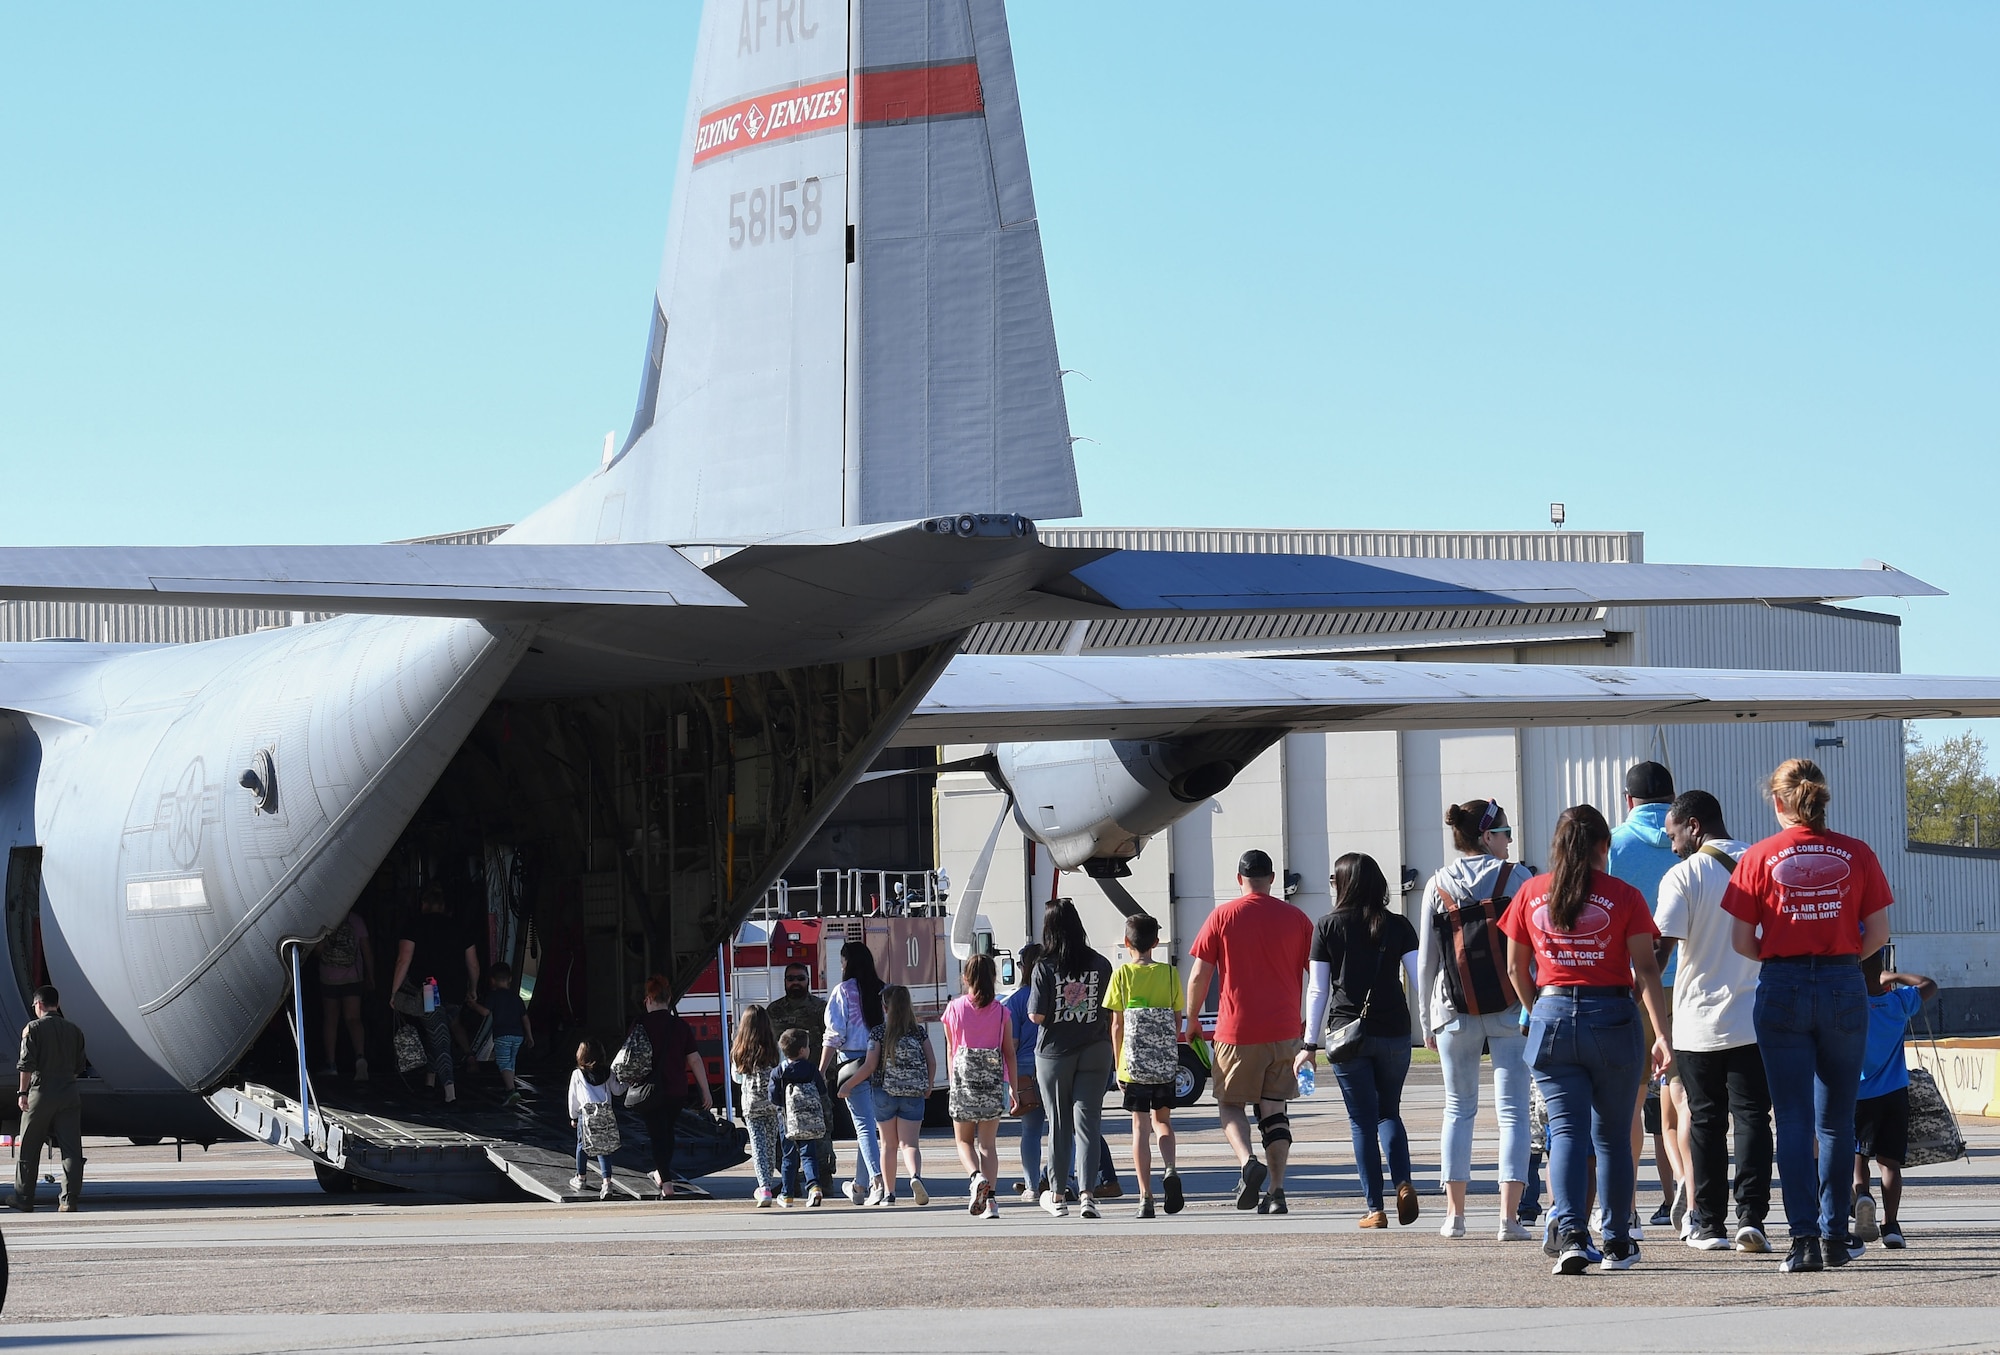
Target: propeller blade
(979, 762)
(1121, 897)
(965, 917)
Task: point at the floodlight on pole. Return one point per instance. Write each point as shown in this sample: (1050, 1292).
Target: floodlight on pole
(1558, 515)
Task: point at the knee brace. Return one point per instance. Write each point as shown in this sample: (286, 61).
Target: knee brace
(1276, 1127)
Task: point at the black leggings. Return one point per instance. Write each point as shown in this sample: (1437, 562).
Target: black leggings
(662, 1120)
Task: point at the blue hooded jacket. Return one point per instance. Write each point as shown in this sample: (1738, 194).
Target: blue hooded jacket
(1641, 856)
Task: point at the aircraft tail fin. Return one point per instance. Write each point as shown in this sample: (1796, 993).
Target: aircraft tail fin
(852, 322)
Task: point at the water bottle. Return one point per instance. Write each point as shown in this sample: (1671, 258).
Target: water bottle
(1308, 1081)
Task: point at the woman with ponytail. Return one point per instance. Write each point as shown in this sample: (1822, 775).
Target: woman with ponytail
(1810, 905)
(1587, 935)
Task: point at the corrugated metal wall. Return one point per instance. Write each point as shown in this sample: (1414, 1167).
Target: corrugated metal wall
(132, 623)
(1047, 637)
(1610, 547)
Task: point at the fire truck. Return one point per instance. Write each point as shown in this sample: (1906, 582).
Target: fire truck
(906, 921)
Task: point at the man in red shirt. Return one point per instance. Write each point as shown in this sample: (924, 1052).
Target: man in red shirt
(1261, 945)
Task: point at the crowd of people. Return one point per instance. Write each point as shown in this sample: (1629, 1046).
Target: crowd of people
(1662, 978)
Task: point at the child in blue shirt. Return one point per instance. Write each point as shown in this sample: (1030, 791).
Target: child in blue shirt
(1882, 1106)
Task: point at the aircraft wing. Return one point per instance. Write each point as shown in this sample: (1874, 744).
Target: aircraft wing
(479, 582)
(1130, 581)
(1016, 698)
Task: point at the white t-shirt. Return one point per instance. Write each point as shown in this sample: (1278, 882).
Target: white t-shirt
(1716, 989)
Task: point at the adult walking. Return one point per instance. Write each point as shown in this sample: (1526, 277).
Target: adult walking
(1360, 951)
(1073, 1055)
(1588, 934)
(432, 947)
(1033, 1117)
(1470, 1006)
(346, 971)
(51, 1061)
(1641, 856)
(1809, 905)
(1262, 945)
(677, 1065)
(1715, 1035)
(852, 1011)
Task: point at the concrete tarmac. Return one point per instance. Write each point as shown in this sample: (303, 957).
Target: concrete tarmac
(236, 1249)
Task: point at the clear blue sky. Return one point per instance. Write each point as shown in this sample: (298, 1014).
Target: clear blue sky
(1724, 274)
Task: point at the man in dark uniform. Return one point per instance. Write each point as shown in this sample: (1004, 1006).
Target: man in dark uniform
(51, 1109)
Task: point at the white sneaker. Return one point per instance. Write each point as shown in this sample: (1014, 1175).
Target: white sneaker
(855, 1191)
(1512, 1231)
(1054, 1204)
(1865, 1226)
(992, 1207)
(875, 1194)
(763, 1197)
(1454, 1226)
(576, 1185)
(918, 1195)
(604, 1188)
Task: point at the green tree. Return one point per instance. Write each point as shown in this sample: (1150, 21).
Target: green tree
(1952, 799)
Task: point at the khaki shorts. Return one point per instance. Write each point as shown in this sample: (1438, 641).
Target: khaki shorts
(1248, 1073)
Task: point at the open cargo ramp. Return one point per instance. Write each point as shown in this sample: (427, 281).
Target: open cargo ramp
(366, 1137)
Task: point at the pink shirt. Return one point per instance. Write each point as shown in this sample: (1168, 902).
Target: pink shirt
(970, 1027)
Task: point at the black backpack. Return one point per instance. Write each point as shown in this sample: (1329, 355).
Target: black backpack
(1475, 949)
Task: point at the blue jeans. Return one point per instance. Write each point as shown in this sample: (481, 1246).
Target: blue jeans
(1371, 1083)
(1812, 1027)
(800, 1157)
(1034, 1124)
(867, 1136)
(1459, 1045)
(1589, 1058)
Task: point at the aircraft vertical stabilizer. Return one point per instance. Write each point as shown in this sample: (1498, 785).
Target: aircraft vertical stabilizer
(819, 357)
(960, 396)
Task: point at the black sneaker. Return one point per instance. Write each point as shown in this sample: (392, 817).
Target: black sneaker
(1573, 1256)
(1145, 1206)
(1250, 1184)
(1708, 1239)
(1838, 1251)
(1620, 1253)
(1175, 1200)
(1892, 1236)
(1804, 1255)
(1663, 1217)
(1273, 1203)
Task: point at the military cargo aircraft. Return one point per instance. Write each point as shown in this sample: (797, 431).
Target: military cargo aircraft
(850, 417)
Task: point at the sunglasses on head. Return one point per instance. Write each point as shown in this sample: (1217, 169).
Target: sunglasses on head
(1489, 820)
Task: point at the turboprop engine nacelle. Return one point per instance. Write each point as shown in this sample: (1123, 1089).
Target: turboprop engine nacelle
(1095, 803)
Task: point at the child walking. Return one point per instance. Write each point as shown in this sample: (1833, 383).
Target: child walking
(592, 1115)
(512, 1027)
(753, 1058)
(979, 1041)
(1145, 1002)
(900, 1068)
(800, 1089)
(1882, 1105)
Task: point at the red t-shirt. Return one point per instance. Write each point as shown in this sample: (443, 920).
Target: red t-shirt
(1597, 951)
(1809, 892)
(1261, 944)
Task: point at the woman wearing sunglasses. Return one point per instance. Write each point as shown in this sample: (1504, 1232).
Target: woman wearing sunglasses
(1469, 1004)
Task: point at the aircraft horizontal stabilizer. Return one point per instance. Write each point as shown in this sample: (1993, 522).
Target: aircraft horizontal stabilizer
(500, 582)
(1183, 581)
(999, 698)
